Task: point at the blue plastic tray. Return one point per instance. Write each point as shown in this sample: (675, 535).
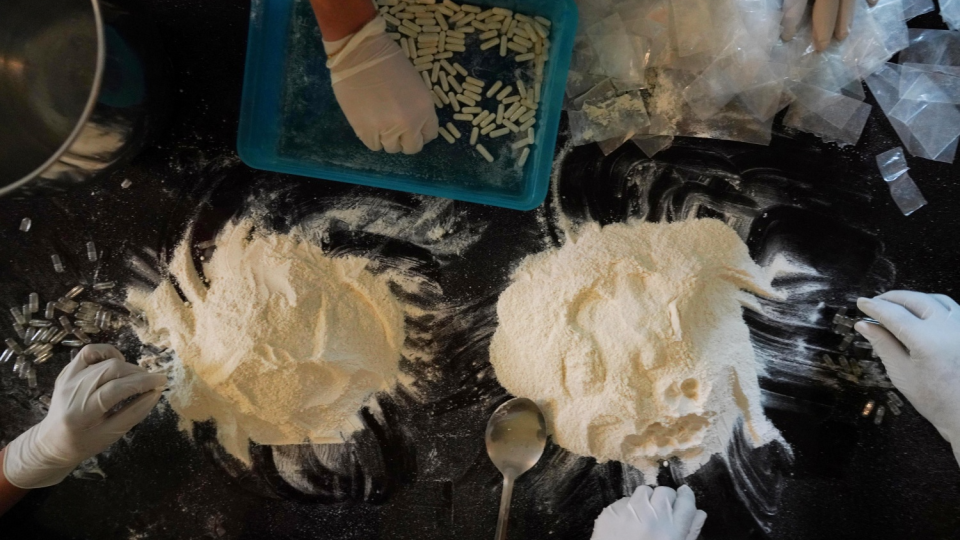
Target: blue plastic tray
(290, 121)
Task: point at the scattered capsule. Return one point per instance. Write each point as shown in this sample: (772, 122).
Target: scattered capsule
(18, 316)
(74, 292)
(12, 343)
(878, 418)
(26, 224)
(57, 263)
(92, 251)
(104, 285)
(868, 408)
(894, 398)
(50, 312)
(72, 343)
(81, 335)
(34, 302)
(67, 325)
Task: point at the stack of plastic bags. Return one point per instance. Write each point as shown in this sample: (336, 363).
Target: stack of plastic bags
(650, 70)
(920, 94)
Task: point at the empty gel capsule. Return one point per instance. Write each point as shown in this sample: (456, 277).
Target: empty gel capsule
(74, 292)
(57, 263)
(18, 316)
(34, 302)
(91, 251)
(81, 335)
(878, 418)
(12, 343)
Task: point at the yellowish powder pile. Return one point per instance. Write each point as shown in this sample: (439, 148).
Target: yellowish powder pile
(284, 346)
(632, 340)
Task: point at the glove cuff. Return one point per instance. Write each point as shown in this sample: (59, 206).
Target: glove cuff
(339, 65)
(26, 466)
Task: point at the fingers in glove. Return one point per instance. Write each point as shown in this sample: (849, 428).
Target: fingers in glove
(88, 356)
(371, 140)
(897, 319)
(924, 306)
(685, 508)
(390, 140)
(824, 22)
(947, 302)
(640, 504)
(793, 11)
(662, 502)
(132, 414)
(845, 19)
(114, 392)
(698, 520)
(412, 143)
(887, 347)
(431, 130)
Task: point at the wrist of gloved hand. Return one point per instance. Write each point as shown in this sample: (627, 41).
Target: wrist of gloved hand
(30, 463)
(353, 54)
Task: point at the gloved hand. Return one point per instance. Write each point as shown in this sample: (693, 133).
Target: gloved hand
(383, 97)
(652, 514)
(919, 344)
(81, 422)
(830, 19)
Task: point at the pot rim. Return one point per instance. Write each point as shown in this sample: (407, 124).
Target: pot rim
(87, 111)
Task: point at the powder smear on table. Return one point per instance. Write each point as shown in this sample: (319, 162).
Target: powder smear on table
(632, 340)
(285, 344)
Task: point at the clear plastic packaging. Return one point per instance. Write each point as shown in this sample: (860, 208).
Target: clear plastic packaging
(894, 170)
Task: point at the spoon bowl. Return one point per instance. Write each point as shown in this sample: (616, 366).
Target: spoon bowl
(516, 437)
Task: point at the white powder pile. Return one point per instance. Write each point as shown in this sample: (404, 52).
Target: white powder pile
(632, 340)
(283, 347)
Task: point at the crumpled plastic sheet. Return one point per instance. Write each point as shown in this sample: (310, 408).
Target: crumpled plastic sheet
(950, 12)
(935, 47)
(733, 74)
(894, 170)
(920, 97)
(885, 85)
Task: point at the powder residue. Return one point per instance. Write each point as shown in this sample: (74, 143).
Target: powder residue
(632, 340)
(284, 345)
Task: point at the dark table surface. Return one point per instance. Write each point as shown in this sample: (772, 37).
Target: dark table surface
(419, 469)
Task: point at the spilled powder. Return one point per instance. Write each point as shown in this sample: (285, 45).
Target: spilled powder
(632, 340)
(285, 344)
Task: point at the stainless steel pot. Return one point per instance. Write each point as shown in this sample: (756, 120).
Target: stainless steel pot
(82, 87)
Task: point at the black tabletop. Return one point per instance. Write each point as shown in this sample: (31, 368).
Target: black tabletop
(419, 468)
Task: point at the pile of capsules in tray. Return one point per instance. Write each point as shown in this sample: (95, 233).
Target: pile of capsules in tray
(432, 33)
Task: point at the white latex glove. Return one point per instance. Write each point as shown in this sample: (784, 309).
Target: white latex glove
(919, 344)
(80, 423)
(830, 19)
(652, 514)
(381, 93)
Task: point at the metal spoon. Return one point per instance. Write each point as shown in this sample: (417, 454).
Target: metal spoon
(516, 437)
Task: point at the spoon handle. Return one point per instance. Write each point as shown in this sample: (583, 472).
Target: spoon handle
(505, 499)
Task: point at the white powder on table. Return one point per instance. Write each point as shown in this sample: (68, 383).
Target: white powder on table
(631, 339)
(284, 346)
